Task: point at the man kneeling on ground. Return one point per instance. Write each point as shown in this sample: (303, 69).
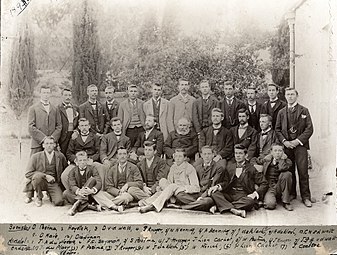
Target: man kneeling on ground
(84, 182)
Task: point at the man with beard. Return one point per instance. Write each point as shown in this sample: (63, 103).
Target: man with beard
(230, 106)
(110, 108)
(69, 118)
(159, 107)
(183, 138)
(202, 107)
(218, 137)
(92, 110)
(132, 115)
(150, 134)
(274, 104)
(245, 134)
(254, 108)
(181, 104)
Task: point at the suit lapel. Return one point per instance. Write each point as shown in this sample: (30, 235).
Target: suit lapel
(89, 108)
(114, 174)
(63, 111)
(44, 160)
(42, 108)
(162, 106)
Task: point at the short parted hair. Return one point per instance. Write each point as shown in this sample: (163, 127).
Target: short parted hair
(44, 87)
(110, 87)
(91, 86)
(253, 88)
(82, 120)
(49, 138)
(180, 150)
(277, 144)
(132, 86)
(207, 147)
(240, 147)
(114, 119)
(243, 110)
(273, 85)
(81, 153)
(218, 110)
(66, 89)
(264, 115)
(122, 148)
(183, 78)
(204, 81)
(291, 89)
(158, 84)
(229, 83)
(150, 144)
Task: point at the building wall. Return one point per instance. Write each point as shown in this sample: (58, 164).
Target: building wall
(315, 73)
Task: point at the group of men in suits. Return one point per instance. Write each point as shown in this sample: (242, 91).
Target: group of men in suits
(200, 154)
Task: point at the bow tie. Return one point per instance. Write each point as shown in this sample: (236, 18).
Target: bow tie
(84, 134)
(217, 128)
(93, 103)
(264, 133)
(82, 170)
(118, 134)
(45, 104)
(67, 106)
(110, 104)
(240, 165)
(273, 102)
(244, 127)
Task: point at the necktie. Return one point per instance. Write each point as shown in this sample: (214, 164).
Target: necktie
(45, 104)
(251, 108)
(292, 109)
(67, 106)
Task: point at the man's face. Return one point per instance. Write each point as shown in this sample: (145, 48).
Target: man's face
(84, 127)
(109, 94)
(49, 145)
(156, 91)
(240, 155)
(243, 118)
(183, 87)
(183, 127)
(207, 155)
(149, 122)
(277, 152)
(251, 94)
(45, 94)
(116, 127)
(149, 152)
(217, 118)
(228, 90)
(122, 155)
(133, 93)
(92, 93)
(264, 123)
(66, 97)
(205, 89)
(179, 157)
(272, 92)
(291, 96)
(81, 161)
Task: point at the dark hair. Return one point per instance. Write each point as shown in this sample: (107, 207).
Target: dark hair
(229, 83)
(243, 110)
(204, 81)
(44, 87)
(114, 119)
(66, 89)
(253, 89)
(82, 120)
(132, 86)
(180, 150)
(121, 148)
(150, 144)
(110, 87)
(273, 85)
(158, 84)
(240, 147)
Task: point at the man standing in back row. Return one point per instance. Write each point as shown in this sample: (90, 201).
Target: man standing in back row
(294, 129)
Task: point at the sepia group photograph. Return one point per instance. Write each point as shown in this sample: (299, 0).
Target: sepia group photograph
(172, 112)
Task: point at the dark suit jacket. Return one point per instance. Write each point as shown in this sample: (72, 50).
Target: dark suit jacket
(283, 164)
(158, 168)
(304, 125)
(188, 142)
(109, 114)
(65, 121)
(216, 174)
(231, 114)
(267, 109)
(37, 164)
(197, 112)
(133, 178)
(254, 119)
(224, 140)
(42, 124)
(90, 146)
(249, 139)
(155, 136)
(75, 178)
(86, 111)
(249, 178)
(109, 145)
(266, 144)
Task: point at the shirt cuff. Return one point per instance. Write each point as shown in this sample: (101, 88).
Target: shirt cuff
(219, 187)
(298, 140)
(95, 190)
(76, 192)
(256, 195)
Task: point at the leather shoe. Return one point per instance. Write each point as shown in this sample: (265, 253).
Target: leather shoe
(237, 212)
(145, 209)
(307, 203)
(288, 207)
(38, 202)
(119, 208)
(28, 200)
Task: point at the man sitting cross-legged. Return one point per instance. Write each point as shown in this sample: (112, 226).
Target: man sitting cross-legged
(182, 181)
(238, 192)
(123, 183)
(276, 170)
(84, 182)
(44, 174)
